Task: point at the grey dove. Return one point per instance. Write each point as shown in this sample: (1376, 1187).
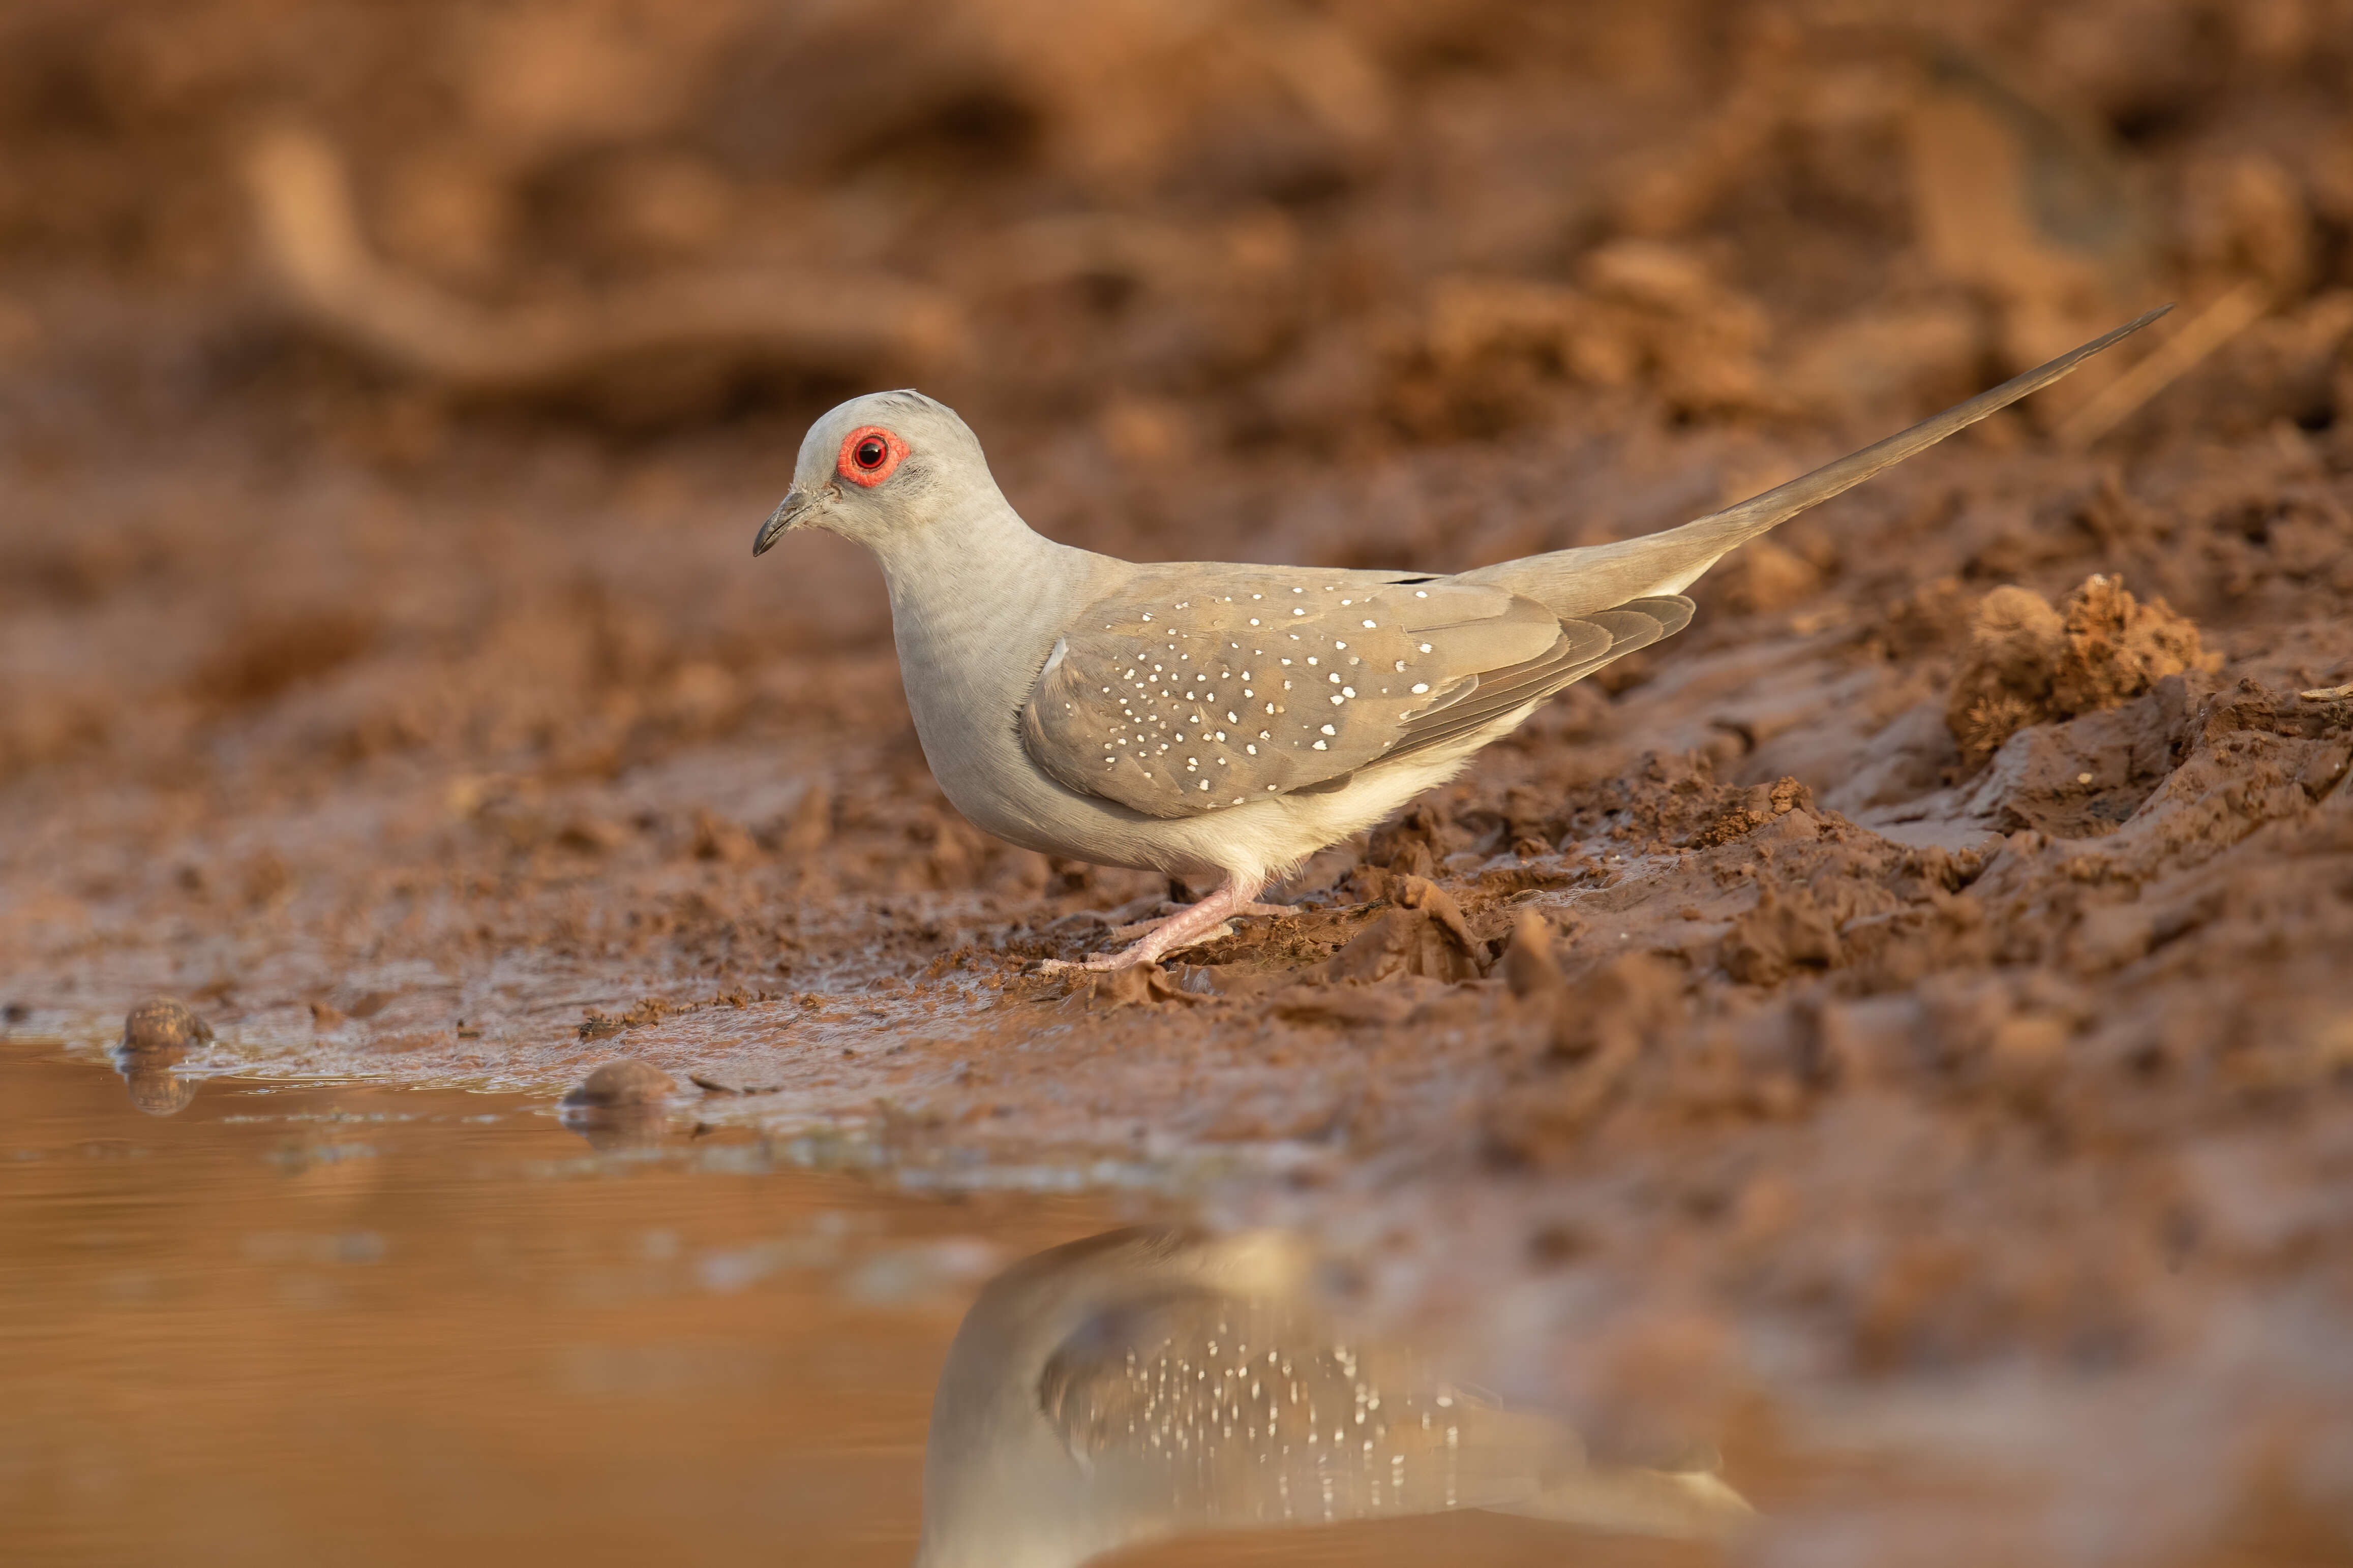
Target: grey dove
(1154, 1382)
(1212, 719)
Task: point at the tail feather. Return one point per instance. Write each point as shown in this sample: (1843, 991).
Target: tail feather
(1573, 583)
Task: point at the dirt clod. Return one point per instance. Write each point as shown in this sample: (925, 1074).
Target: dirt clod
(1138, 984)
(2029, 663)
(1785, 932)
(1422, 934)
(164, 1023)
(1529, 968)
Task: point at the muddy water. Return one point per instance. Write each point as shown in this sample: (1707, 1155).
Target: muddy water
(265, 1323)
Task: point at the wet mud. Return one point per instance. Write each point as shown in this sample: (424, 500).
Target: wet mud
(1906, 1013)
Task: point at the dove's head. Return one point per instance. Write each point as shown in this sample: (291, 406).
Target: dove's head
(881, 470)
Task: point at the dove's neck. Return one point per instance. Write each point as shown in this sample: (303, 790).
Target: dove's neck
(976, 601)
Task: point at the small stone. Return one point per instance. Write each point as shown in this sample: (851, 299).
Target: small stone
(626, 1082)
(164, 1023)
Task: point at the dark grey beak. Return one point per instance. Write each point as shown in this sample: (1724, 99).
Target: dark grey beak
(787, 515)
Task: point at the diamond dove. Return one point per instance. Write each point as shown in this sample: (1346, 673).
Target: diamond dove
(1210, 720)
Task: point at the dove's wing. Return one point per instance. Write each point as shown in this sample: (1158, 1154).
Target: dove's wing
(1192, 1409)
(1200, 686)
(1622, 631)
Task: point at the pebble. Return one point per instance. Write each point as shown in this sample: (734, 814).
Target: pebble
(164, 1023)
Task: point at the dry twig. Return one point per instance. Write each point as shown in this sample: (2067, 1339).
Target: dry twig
(311, 238)
(2198, 336)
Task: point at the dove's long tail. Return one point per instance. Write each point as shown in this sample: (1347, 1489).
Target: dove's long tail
(1597, 577)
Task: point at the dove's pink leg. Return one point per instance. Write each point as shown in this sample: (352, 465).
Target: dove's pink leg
(1187, 926)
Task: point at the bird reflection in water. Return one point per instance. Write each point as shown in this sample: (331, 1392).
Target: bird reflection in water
(622, 1105)
(157, 1035)
(1150, 1384)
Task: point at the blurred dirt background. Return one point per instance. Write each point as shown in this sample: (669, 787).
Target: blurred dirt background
(1910, 1007)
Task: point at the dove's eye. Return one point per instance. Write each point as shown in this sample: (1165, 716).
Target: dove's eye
(868, 456)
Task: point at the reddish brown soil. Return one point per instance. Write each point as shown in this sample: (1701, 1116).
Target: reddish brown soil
(1914, 1003)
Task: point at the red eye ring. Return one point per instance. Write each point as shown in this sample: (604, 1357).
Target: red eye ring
(870, 455)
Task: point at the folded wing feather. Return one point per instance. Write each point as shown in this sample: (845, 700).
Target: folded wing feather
(1200, 688)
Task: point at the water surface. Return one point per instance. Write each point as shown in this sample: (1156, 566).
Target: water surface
(267, 1324)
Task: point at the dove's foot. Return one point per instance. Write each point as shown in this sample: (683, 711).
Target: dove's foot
(1187, 927)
